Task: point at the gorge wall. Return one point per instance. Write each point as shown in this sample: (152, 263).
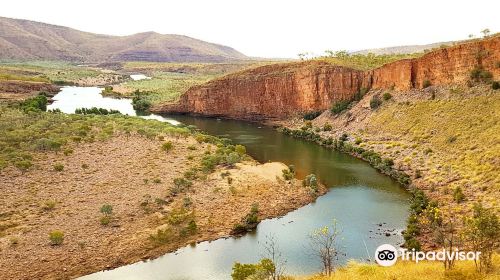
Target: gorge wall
(281, 90)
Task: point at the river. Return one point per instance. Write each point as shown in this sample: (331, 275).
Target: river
(371, 208)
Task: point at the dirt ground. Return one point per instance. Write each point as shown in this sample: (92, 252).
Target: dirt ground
(20, 90)
(134, 175)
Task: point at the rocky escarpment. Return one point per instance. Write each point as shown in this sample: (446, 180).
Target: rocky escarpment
(281, 90)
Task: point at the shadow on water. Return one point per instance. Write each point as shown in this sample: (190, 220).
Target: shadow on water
(364, 202)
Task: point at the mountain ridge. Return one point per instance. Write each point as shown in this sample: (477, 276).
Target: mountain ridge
(22, 39)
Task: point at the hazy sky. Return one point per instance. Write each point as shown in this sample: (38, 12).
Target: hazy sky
(273, 28)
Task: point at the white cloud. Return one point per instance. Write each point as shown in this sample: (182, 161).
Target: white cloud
(276, 28)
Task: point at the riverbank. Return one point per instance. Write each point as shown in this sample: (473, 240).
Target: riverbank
(443, 138)
(162, 196)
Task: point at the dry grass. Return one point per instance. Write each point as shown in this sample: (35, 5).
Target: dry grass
(409, 271)
(454, 142)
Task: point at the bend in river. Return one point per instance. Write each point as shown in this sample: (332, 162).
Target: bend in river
(370, 207)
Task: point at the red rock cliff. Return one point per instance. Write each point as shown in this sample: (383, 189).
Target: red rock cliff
(281, 90)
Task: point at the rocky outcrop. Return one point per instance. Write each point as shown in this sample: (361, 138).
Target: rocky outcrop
(440, 67)
(272, 91)
(281, 90)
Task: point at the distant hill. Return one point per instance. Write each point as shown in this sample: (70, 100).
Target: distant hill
(405, 49)
(30, 40)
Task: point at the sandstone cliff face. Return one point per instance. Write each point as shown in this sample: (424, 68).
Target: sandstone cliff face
(281, 90)
(440, 67)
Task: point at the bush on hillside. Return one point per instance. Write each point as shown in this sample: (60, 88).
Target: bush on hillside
(289, 174)
(56, 237)
(311, 115)
(479, 74)
(340, 106)
(38, 103)
(375, 102)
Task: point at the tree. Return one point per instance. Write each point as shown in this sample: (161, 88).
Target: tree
(329, 53)
(273, 253)
(342, 54)
(486, 32)
(324, 245)
(243, 271)
(482, 233)
(445, 226)
(262, 270)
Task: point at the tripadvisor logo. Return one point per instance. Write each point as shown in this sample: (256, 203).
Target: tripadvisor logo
(387, 255)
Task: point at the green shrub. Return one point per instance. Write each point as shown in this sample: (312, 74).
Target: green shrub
(49, 205)
(240, 149)
(105, 220)
(252, 217)
(426, 84)
(34, 104)
(413, 243)
(167, 146)
(233, 158)
(340, 106)
(58, 167)
(181, 185)
(46, 144)
(243, 271)
(289, 174)
(327, 127)
(483, 231)
(388, 162)
(479, 74)
(162, 236)
(106, 209)
(23, 165)
(56, 237)
(344, 137)
(95, 111)
(387, 96)
(265, 269)
(192, 227)
(419, 201)
(458, 195)
(312, 115)
(187, 202)
(495, 85)
(140, 103)
(375, 102)
(312, 182)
